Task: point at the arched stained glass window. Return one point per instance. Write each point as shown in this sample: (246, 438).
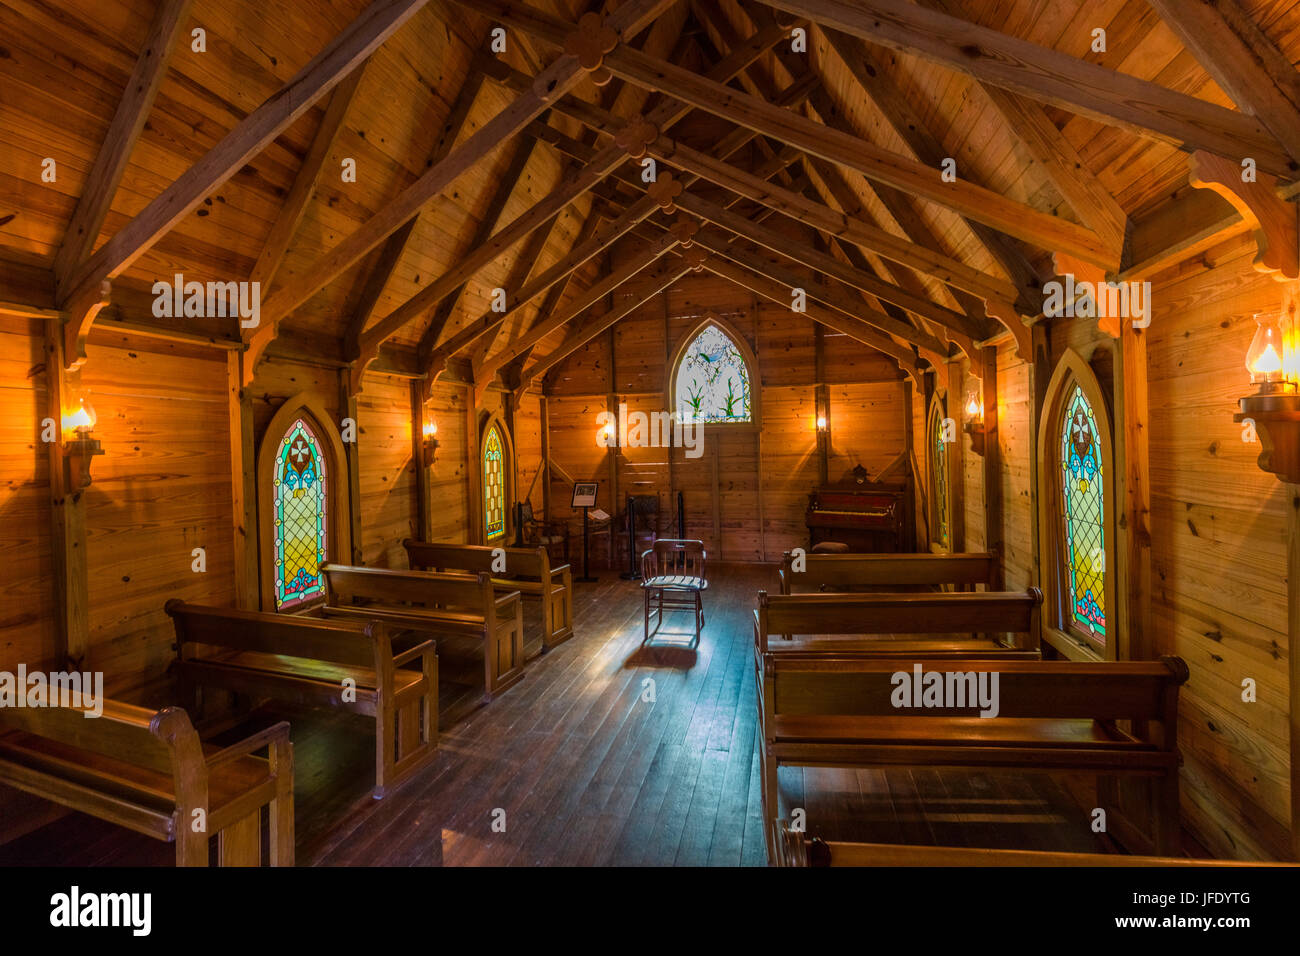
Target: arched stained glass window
(494, 483)
(1082, 511)
(301, 530)
(712, 380)
(942, 521)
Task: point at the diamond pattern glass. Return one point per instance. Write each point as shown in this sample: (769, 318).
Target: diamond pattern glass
(301, 544)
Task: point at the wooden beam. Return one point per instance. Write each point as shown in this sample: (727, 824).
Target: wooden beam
(71, 579)
(379, 274)
(578, 304)
(79, 317)
(502, 190)
(602, 163)
(781, 243)
(243, 486)
(761, 116)
(660, 278)
(994, 533)
(115, 152)
(770, 264)
(561, 76)
(1048, 76)
(831, 318)
(342, 55)
(304, 183)
(875, 77)
(1246, 64)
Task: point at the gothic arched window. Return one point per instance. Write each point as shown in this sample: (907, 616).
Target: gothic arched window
(494, 482)
(711, 379)
(302, 504)
(1077, 509)
(301, 529)
(941, 511)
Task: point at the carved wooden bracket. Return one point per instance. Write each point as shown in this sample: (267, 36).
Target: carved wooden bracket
(636, 137)
(589, 43)
(1276, 419)
(1009, 316)
(1275, 221)
(79, 316)
(664, 190)
(938, 365)
(685, 229)
(1065, 264)
(695, 257)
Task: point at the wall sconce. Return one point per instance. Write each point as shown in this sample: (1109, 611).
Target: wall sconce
(821, 424)
(1274, 408)
(607, 436)
(79, 445)
(974, 424)
(430, 443)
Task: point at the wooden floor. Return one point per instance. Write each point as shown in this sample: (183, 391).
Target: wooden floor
(589, 770)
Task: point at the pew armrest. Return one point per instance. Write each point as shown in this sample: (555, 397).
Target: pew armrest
(424, 647)
(269, 737)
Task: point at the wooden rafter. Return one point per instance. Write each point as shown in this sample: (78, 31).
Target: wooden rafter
(562, 75)
(873, 76)
(656, 281)
(607, 284)
(394, 248)
(114, 153)
(1249, 67)
(551, 205)
(304, 183)
(1048, 76)
(853, 152)
(831, 318)
(342, 55)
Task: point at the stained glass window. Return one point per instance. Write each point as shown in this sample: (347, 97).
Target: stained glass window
(301, 535)
(941, 520)
(1082, 511)
(712, 380)
(494, 483)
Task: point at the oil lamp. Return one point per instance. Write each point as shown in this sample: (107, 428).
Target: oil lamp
(79, 445)
(1273, 410)
(430, 443)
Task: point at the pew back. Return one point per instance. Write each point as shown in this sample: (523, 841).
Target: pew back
(858, 687)
(985, 612)
(347, 585)
(848, 572)
(339, 642)
(474, 558)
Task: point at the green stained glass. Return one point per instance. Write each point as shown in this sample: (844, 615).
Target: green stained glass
(494, 483)
(940, 479)
(301, 539)
(712, 380)
(1082, 505)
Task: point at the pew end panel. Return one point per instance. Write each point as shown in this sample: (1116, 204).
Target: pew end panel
(149, 772)
(319, 662)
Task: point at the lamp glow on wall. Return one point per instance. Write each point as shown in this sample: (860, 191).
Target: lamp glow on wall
(79, 444)
(1274, 409)
(430, 443)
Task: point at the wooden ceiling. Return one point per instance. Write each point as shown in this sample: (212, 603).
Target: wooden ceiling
(819, 169)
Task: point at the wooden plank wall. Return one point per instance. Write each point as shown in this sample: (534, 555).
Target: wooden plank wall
(753, 481)
(1219, 565)
(388, 502)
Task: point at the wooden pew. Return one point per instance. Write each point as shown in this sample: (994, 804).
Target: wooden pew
(527, 570)
(889, 572)
(146, 770)
(902, 626)
(308, 660)
(797, 849)
(1053, 716)
(462, 604)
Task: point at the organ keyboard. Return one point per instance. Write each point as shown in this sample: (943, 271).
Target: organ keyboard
(866, 515)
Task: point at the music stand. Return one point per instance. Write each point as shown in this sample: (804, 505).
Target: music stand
(584, 497)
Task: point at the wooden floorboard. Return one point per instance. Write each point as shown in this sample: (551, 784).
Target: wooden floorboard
(588, 771)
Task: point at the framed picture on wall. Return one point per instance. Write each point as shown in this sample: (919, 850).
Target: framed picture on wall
(584, 494)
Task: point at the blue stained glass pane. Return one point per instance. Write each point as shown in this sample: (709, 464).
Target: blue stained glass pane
(712, 380)
(1082, 504)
